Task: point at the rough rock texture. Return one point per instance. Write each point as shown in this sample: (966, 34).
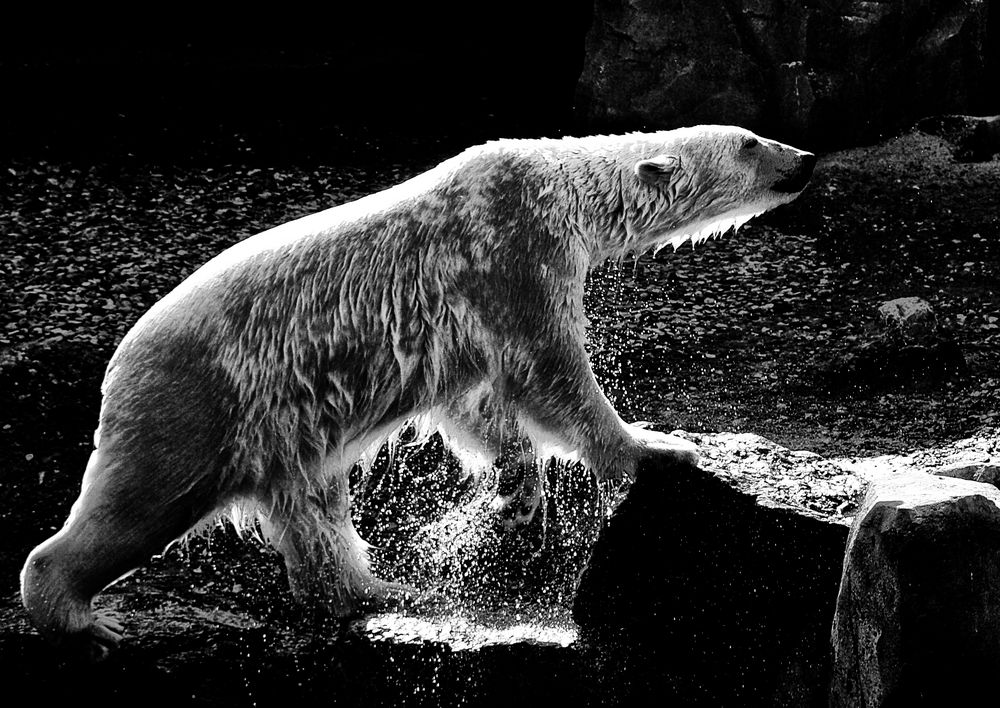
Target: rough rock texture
(733, 592)
(976, 138)
(186, 651)
(911, 316)
(820, 73)
(727, 580)
(906, 346)
(918, 615)
(980, 450)
(986, 473)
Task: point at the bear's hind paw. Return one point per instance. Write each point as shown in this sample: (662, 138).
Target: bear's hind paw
(520, 493)
(517, 509)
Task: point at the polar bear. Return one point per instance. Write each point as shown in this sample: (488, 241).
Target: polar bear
(454, 299)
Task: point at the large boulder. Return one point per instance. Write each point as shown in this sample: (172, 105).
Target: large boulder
(905, 346)
(822, 73)
(918, 615)
(976, 138)
(716, 586)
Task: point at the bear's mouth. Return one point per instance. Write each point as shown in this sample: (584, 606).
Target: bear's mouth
(796, 182)
(792, 185)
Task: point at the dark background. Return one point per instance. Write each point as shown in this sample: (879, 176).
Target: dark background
(298, 84)
(284, 83)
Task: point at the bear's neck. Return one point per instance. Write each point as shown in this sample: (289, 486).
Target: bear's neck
(589, 202)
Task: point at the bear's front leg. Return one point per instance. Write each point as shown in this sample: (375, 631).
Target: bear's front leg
(563, 407)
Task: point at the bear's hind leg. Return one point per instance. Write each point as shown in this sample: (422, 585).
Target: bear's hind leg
(327, 561)
(522, 484)
(119, 521)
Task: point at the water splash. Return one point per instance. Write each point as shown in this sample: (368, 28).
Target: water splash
(438, 530)
(611, 302)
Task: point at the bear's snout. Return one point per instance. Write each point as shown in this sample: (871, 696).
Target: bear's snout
(796, 180)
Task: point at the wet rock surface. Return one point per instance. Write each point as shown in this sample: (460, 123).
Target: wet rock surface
(728, 577)
(918, 615)
(192, 653)
(825, 73)
(979, 451)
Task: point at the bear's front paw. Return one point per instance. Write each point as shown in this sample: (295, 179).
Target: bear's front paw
(655, 444)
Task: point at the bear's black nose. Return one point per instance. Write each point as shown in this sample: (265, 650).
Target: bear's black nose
(808, 163)
(796, 180)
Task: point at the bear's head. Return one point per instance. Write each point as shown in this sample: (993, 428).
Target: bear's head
(696, 183)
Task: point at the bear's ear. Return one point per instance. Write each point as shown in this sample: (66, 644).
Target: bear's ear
(657, 170)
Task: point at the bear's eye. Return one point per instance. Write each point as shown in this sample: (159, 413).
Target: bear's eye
(750, 143)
